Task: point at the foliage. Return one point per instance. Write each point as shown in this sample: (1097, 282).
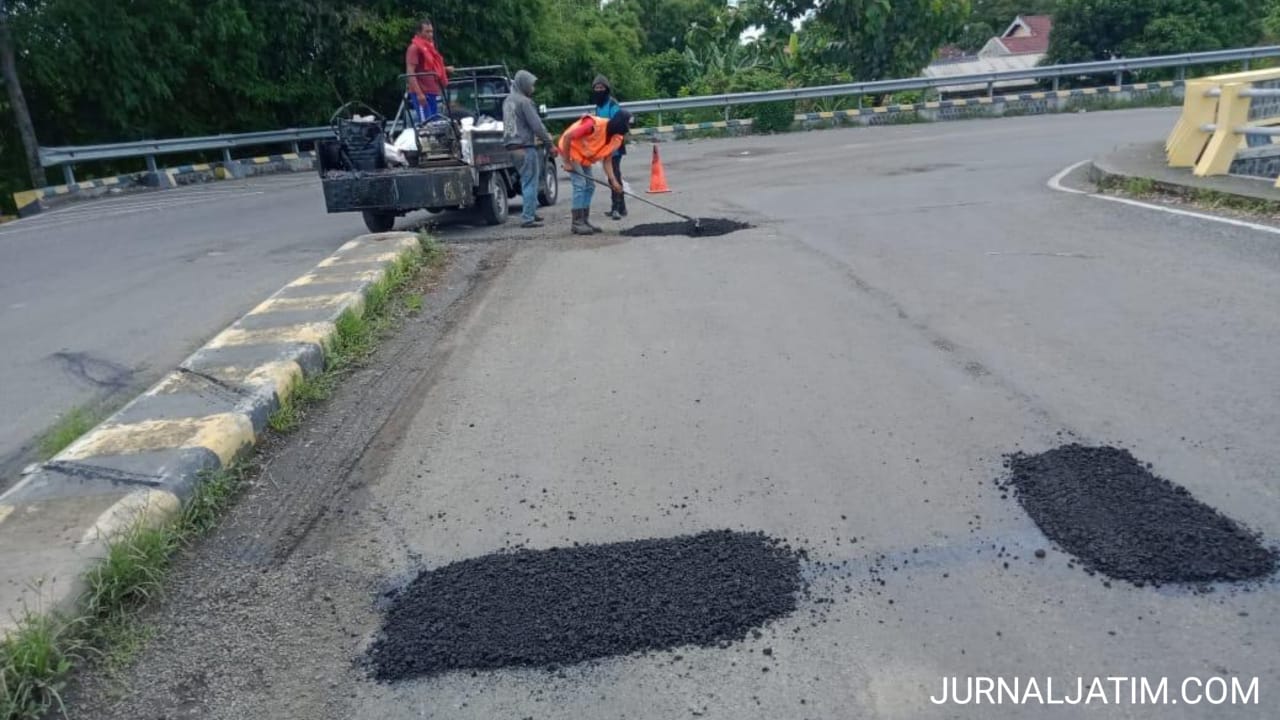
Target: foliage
(113, 70)
(1102, 29)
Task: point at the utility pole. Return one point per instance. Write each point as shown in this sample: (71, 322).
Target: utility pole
(17, 101)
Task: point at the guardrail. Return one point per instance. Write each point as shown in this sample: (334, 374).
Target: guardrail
(1223, 116)
(68, 157)
(881, 87)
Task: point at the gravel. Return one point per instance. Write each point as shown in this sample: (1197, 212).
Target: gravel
(710, 227)
(1108, 510)
(547, 608)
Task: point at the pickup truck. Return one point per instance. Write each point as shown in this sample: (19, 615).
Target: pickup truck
(456, 162)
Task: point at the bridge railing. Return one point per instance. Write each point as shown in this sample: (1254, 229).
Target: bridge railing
(1225, 117)
(68, 157)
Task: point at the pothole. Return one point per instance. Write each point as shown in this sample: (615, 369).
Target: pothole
(708, 227)
(548, 608)
(1118, 518)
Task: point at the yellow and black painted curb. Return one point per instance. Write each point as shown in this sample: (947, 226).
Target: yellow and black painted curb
(32, 202)
(1031, 97)
(142, 463)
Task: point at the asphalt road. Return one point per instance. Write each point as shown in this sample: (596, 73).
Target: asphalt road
(101, 298)
(913, 303)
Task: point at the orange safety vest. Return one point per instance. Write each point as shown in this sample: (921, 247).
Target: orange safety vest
(594, 147)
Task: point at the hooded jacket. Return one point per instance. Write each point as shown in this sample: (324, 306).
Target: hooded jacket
(610, 106)
(520, 120)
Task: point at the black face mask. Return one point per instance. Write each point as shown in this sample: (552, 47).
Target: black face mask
(599, 97)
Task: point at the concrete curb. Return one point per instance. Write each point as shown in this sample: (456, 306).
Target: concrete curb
(33, 202)
(1147, 162)
(142, 463)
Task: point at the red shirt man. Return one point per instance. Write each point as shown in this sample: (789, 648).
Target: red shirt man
(423, 57)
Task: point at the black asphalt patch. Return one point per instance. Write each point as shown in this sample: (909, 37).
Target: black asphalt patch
(1104, 507)
(710, 227)
(547, 608)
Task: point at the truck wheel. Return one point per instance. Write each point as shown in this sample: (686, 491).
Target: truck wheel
(379, 222)
(493, 207)
(549, 188)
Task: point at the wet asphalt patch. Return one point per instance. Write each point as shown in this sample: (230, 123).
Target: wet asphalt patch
(710, 227)
(548, 608)
(1119, 519)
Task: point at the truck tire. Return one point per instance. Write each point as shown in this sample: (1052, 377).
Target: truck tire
(549, 186)
(379, 222)
(493, 206)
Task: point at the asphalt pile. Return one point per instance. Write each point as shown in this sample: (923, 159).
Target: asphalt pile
(708, 227)
(1117, 518)
(549, 608)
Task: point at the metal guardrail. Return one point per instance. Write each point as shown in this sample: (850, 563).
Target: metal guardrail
(880, 87)
(1223, 115)
(67, 157)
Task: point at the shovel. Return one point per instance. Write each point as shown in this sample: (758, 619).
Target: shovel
(697, 224)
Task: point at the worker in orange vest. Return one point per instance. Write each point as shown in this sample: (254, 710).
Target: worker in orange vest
(588, 141)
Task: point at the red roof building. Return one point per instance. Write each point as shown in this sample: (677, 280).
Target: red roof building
(1028, 34)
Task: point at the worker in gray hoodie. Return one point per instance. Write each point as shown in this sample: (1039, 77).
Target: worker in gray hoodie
(522, 129)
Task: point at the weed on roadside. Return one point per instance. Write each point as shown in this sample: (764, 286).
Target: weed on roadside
(39, 654)
(34, 662)
(68, 429)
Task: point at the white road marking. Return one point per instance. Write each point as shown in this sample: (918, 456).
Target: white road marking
(56, 220)
(1055, 183)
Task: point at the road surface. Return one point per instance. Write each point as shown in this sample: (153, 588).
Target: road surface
(101, 298)
(913, 303)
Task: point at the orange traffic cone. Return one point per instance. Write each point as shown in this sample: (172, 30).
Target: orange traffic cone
(657, 176)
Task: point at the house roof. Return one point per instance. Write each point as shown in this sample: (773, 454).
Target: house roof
(980, 65)
(1036, 40)
(1038, 24)
(1026, 44)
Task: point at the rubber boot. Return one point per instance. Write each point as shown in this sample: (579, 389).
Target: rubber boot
(580, 227)
(586, 220)
(622, 205)
(614, 212)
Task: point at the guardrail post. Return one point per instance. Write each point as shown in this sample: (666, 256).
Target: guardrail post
(230, 167)
(1119, 78)
(991, 89)
(155, 178)
(1246, 64)
(1182, 73)
(68, 175)
(294, 146)
(1187, 141)
(1233, 112)
(1057, 81)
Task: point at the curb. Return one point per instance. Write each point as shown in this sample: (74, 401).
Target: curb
(1109, 170)
(141, 464)
(33, 202)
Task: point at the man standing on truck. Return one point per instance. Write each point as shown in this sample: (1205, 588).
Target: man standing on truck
(588, 141)
(607, 107)
(428, 75)
(521, 129)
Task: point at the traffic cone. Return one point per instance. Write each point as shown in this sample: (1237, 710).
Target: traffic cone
(657, 176)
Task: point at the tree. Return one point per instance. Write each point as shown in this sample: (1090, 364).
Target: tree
(664, 23)
(877, 39)
(1100, 29)
(17, 101)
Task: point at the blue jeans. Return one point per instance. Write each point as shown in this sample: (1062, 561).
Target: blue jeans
(422, 114)
(530, 174)
(583, 187)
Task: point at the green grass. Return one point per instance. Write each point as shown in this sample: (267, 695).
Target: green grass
(1203, 198)
(1139, 186)
(358, 333)
(36, 659)
(34, 663)
(68, 429)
